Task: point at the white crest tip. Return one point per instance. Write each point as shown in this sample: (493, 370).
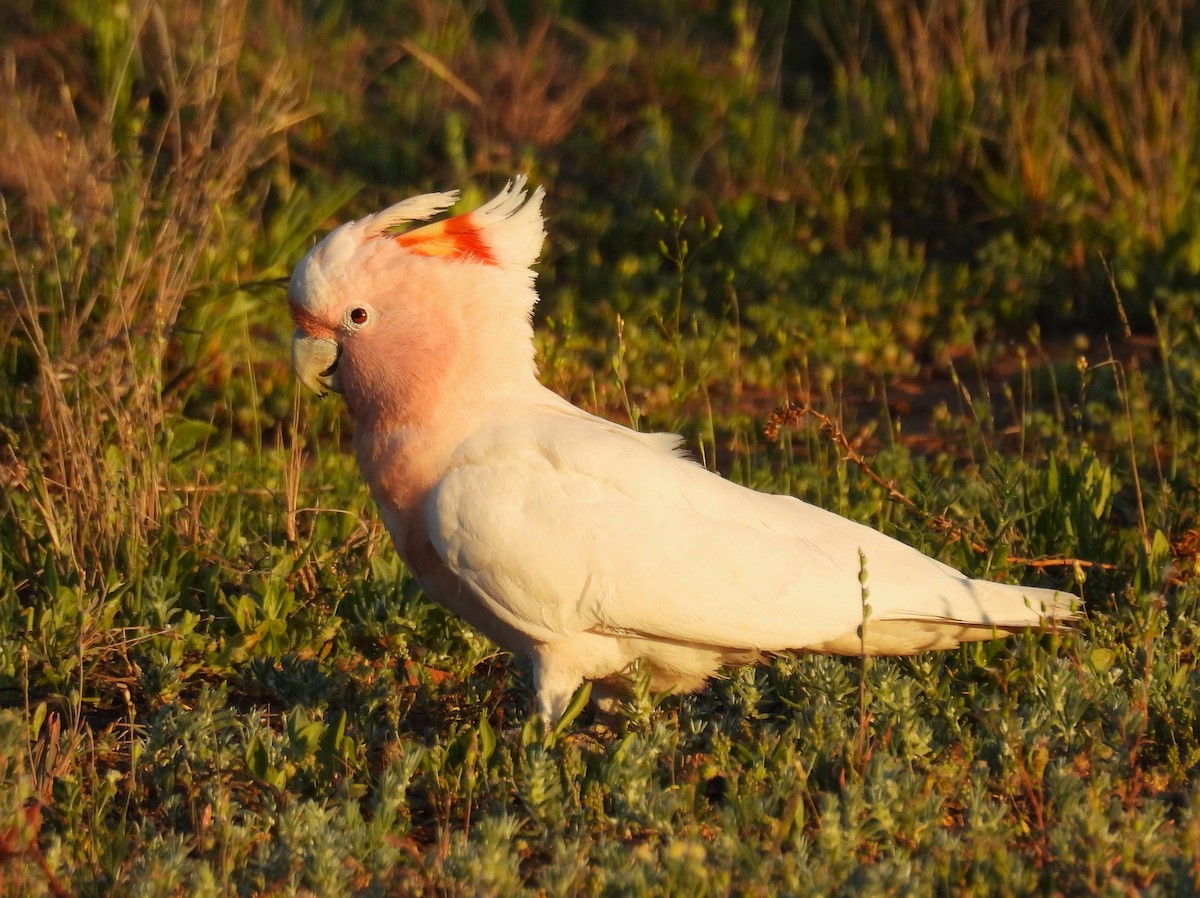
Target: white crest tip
(416, 208)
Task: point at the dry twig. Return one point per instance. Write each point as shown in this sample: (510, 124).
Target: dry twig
(792, 415)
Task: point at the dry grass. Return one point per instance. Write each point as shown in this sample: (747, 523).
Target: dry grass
(1111, 100)
(104, 281)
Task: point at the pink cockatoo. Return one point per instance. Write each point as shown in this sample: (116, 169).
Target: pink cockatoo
(577, 542)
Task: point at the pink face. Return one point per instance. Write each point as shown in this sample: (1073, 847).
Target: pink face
(394, 306)
(405, 324)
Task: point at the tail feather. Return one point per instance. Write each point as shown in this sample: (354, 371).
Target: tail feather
(999, 609)
(1016, 607)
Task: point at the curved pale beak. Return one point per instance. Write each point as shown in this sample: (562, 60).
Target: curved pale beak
(315, 360)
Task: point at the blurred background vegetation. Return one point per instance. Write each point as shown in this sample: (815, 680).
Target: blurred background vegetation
(965, 231)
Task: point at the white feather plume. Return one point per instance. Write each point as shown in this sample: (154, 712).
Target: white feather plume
(512, 224)
(415, 208)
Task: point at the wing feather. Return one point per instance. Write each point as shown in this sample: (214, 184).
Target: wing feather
(562, 527)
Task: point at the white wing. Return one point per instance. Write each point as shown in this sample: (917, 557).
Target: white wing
(563, 523)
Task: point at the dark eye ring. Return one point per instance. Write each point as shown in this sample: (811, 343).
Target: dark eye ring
(358, 316)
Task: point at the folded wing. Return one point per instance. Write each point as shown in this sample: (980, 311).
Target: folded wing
(562, 523)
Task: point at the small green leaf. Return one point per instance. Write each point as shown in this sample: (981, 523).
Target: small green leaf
(36, 720)
(578, 702)
(257, 760)
(487, 739)
(332, 739)
(1102, 659)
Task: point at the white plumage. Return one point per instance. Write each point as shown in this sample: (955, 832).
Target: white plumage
(568, 538)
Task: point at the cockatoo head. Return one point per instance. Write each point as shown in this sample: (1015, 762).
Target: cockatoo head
(393, 320)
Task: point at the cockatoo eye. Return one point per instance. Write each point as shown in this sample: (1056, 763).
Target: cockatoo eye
(358, 316)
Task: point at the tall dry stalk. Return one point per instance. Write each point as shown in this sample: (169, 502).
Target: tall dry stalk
(1138, 140)
(106, 248)
(1101, 104)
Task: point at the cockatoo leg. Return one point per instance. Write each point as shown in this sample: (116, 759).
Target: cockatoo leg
(559, 669)
(556, 679)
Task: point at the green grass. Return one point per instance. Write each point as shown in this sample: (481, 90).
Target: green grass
(964, 233)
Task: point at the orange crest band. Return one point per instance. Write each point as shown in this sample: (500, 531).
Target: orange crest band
(456, 238)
